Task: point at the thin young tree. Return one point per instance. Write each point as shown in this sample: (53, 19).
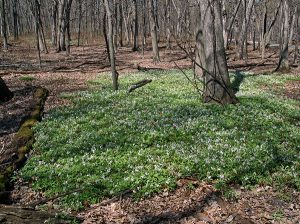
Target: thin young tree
(4, 25)
(136, 26)
(210, 52)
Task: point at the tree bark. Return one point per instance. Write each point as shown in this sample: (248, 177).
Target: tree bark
(79, 21)
(111, 45)
(136, 26)
(15, 20)
(241, 44)
(297, 38)
(153, 26)
(168, 23)
(4, 25)
(267, 30)
(211, 54)
(53, 17)
(283, 64)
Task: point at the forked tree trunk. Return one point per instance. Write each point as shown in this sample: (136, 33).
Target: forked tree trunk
(211, 54)
(111, 44)
(267, 30)
(5, 93)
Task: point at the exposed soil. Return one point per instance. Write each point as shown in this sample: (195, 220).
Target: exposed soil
(192, 202)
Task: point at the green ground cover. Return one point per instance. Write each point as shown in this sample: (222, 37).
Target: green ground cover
(108, 142)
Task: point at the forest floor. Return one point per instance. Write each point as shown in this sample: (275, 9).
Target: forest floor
(193, 201)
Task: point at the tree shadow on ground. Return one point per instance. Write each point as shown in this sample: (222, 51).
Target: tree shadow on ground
(238, 80)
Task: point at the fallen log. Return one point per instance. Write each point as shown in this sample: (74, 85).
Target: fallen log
(23, 140)
(139, 85)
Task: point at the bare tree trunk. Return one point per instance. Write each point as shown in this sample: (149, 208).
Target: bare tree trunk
(294, 17)
(120, 24)
(67, 18)
(211, 54)
(267, 30)
(15, 20)
(43, 44)
(136, 26)
(111, 45)
(153, 26)
(54, 22)
(283, 63)
(61, 26)
(105, 34)
(36, 13)
(297, 39)
(115, 22)
(4, 25)
(168, 23)
(79, 21)
(243, 33)
(228, 29)
(144, 38)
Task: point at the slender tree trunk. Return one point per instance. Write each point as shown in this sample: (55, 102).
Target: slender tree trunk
(136, 26)
(54, 23)
(283, 63)
(79, 21)
(168, 23)
(4, 25)
(15, 19)
(294, 17)
(115, 24)
(120, 23)
(111, 44)
(211, 54)
(67, 18)
(153, 26)
(244, 30)
(144, 38)
(43, 44)
(297, 39)
(267, 30)
(105, 34)
(36, 13)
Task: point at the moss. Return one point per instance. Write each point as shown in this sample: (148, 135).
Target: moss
(23, 150)
(24, 135)
(24, 138)
(29, 122)
(36, 114)
(41, 93)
